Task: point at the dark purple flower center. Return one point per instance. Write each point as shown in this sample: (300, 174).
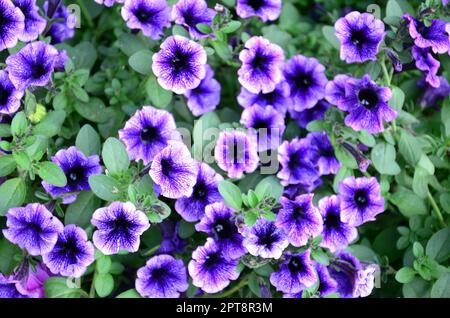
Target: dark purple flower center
(361, 199)
(295, 160)
(143, 14)
(180, 60)
(303, 81)
(200, 191)
(332, 220)
(268, 237)
(368, 98)
(159, 273)
(75, 174)
(295, 265)
(166, 167)
(69, 249)
(259, 61)
(4, 95)
(121, 225)
(298, 212)
(256, 4)
(38, 70)
(212, 260)
(358, 37)
(261, 123)
(223, 229)
(149, 134)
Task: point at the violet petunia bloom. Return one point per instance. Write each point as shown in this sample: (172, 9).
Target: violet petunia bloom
(33, 228)
(433, 36)
(210, 269)
(206, 96)
(432, 95)
(295, 274)
(307, 81)
(180, 64)
(163, 276)
(300, 219)
(428, 64)
(306, 116)
(236, 153)
(147, 15)
(64, 26)
(265, 239)
(11, 24)
(261, 65)
(9, 96)
(360, 35)
(335, 89)
(367, 105)
(148, 132)
(323, 153)
(218, 222)
(266, 124)
(119, 227)
(174, 170)
(361, 200)
(292, 191)
(336, 234)
(189, 13)
(205, 191)
(77, 168)
(33, 65)
(34, 23)
(171, 241)
(297, 167)
(72, 253)
(266, 10)
(365, 281)
(279, 98)
(33, 279)
(109, 3)
(10, 288)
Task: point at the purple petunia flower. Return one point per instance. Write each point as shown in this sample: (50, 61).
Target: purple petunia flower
(189, 13)
(428, 64)
(297, 167)
(64, 27)
(34, 23)
(266, 124)
(307, 81)
(266, 10)
(206, 96)
(365, 281)
(361, 200)
(149, 16)
(261, 65)
(33, 228)
(10, 288)
(433, 36)
(171, 241)
(9, 96)
(148, 132)
(72, 253)
(265, 239)
(174, 170)
(336, 234)
(109, 3)
(432, 95)
(360, 35)
(119, 227)
(205, 191)
(180, 64)
(210, 269)
(77, 168)
(295, 274)
(327, 285)
(11, 24)
(236, 153)
(300, 219)
(335, 89)
(292, 191)
(33, 65)
(367, 104)
(162, 277)
(279, 98)
(323, 153)
(218, 222)
(32, 280)
(306, 116)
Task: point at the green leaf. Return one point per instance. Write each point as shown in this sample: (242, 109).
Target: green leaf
(8, 261)
(363, 253)
(80, 212)
(186, 229)
(7, 165)
(393, 9)
(438, 247)
(115, 156)
(330, 35)
(231, 27)
(103, 264)
(409, 203)
(19, 124)
(269, 187)
(204, 28)
(22, 160)
(179, 30)
(141, 62)
(88, 140)
(201, 126)
(130, 293)
(105, 187)
(51, 124)
(231, 194)
(405, 275)
(83, 55)
(95, 110)
(250, 218)
(441, 288)
(410, 148)
(426, 164)
(52, 173)
(417, 288)
(158, 95)
(398, 98)
(12, 194)
(104, 284)
(79, 93)
(420, 182)
(418, 250)
(60, 287)
(223, 50)
(383, 158)
(445, 118)
(130, 43)
(366, 138)
(345, 157)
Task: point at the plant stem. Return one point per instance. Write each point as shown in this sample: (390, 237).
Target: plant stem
(388, 81)
(85, 12)
(231, 291)
(436, 210)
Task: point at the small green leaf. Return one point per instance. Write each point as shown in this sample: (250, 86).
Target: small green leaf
(231, 27)
(409, 203)
(104, 284)
(383, 158)
(60, 287)
(418, 250)
(12, 194)
(231, 194)
(19, 124)
(103, 264)
(269, 187)
(115, 156)
(130, 293)
(398, 98)
(88, 140)
(22, 160)
(141, 62)
(105, 187)
(330, 35)
(80, 212)
(158, 95)
(438, 247)
(51, 124)
(204, 28)
(52, 173)
(186, 229)
(405, 275)
(441, 288)
(410, 148)
(7, 165)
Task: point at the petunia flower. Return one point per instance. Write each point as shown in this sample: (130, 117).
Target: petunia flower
(279, 98)
(109, 3)
(304, 117)
(189, 13)
(9, 288)
(34, 23)
(12, 24)
(63, 28)
(266, 10)
(335, 89)
(428, 64)
(323, 153)
(9, 96)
